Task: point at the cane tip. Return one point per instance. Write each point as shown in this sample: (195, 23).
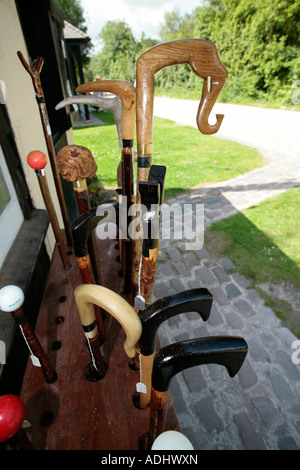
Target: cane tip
(37, 160)
(11, 298)
(12, 414)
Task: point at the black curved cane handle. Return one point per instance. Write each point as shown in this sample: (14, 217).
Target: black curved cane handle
(85, 223)
(193, 300)
(228, 351)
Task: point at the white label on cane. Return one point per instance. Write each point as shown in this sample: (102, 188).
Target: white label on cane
(139, 302)
(141, 388)
(35, 361)
(2, 352)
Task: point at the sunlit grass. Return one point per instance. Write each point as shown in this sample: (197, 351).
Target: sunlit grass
(191, 158)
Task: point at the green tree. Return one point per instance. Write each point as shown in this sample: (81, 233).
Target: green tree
(73, 12)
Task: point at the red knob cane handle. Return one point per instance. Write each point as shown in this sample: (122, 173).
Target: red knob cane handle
(12, 414)
(37, 160)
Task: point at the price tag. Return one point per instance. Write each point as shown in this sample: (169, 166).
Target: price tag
(139, 302)
(35, 361)
(141, 388)
(2, 353)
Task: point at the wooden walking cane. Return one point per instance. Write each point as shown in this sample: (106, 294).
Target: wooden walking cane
(126, 93)
(203, 59)
(169, 361)
(76, 163)
(88, 295)
(81, 229)
(11, 300)
(194, 300)
(34, 72)
(151, 194)
(38, 160)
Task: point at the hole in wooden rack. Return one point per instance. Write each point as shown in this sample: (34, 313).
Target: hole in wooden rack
(62, 299)
(59, 320)
(46, 418)
(56, 345)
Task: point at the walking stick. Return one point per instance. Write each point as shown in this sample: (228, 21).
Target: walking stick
(126, 93)
(111, 104)
(81, 229)
(76, 163)
(12, 414)
(11, 300)
(34, 72)
(38, 160)
(224, 350)
(203, 59)
(151, 193)
(194, 300)
(88, 295)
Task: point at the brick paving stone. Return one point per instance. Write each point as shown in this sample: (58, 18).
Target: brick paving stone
(205, 275)
(205, 408)
(287, 443)
(267, 411)
(250, 436)
(232, 291)
(219, 295)
(191, 259)
(282, 388)
(227, 263)
(244, 309)
(221, 274)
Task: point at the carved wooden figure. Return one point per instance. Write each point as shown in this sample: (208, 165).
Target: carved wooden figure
(75, 164)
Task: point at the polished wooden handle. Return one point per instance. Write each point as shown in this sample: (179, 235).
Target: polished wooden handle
(126, 92)
(87, 295)
(200, 54)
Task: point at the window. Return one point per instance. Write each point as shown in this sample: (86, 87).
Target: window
(11, 216)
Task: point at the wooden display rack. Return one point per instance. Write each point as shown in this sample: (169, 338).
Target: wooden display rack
(74, 413)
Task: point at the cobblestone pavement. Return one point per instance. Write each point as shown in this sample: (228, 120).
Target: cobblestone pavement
(258, 409)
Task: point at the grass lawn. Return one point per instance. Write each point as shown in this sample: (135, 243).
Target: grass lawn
(264, 244)
(190, 157)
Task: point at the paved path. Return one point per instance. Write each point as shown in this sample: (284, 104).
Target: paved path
(260, 407)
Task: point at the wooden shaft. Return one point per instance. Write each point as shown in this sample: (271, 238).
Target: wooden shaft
(128, 192)
(87, 276)
(83, 203)
(53, 217)
(126, 92)
(35, 75)
(148, 272)
(87, 295)
(34, 344)
(159, 402)
(146, 364)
